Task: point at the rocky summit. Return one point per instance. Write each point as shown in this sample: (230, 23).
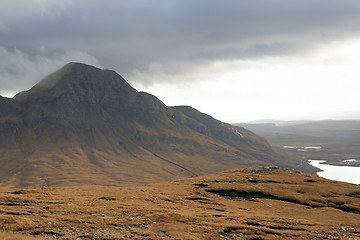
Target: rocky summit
(83, 126)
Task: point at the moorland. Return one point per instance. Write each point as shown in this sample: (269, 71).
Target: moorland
(251, 203)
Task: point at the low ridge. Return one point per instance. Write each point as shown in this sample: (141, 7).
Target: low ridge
(251, 203)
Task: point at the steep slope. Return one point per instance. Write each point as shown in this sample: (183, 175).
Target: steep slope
(82, 125)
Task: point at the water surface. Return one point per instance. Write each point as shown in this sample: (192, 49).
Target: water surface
(348, 174)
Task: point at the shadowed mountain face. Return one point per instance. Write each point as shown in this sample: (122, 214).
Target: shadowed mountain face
(83, 125)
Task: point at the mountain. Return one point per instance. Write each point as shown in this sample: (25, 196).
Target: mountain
(83, 125)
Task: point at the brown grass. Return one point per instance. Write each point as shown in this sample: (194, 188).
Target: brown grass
(252, 203)
(17, 236)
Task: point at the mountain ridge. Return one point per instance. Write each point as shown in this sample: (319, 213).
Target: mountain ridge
(87, 125)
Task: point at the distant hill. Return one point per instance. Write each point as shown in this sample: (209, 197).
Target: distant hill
(280, 122)
(339, 129)
(83, 125)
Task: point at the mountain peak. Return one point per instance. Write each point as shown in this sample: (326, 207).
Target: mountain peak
(75, 71)
(77, 66)
(80, 82)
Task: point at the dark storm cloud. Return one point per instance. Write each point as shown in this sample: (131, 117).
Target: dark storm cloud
(178, 34)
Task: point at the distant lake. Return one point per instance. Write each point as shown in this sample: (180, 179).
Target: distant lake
(339, 173)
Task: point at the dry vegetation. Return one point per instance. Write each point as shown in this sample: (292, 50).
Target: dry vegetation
(17, 236)
(255, 203)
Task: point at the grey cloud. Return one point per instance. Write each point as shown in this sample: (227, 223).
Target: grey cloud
(3, 28)
(178, 34)
(20, 71)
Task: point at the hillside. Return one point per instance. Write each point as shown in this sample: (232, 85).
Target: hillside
(83, 125)
(252, 203)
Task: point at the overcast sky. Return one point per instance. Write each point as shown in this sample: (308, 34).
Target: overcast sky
(237, 60)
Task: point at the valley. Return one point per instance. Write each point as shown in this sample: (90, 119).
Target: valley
(333, 141)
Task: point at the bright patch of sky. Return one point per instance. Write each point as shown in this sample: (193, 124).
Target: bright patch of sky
(321, 85)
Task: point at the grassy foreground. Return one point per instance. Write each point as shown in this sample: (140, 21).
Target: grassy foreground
(253, 203)
(16, 236)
